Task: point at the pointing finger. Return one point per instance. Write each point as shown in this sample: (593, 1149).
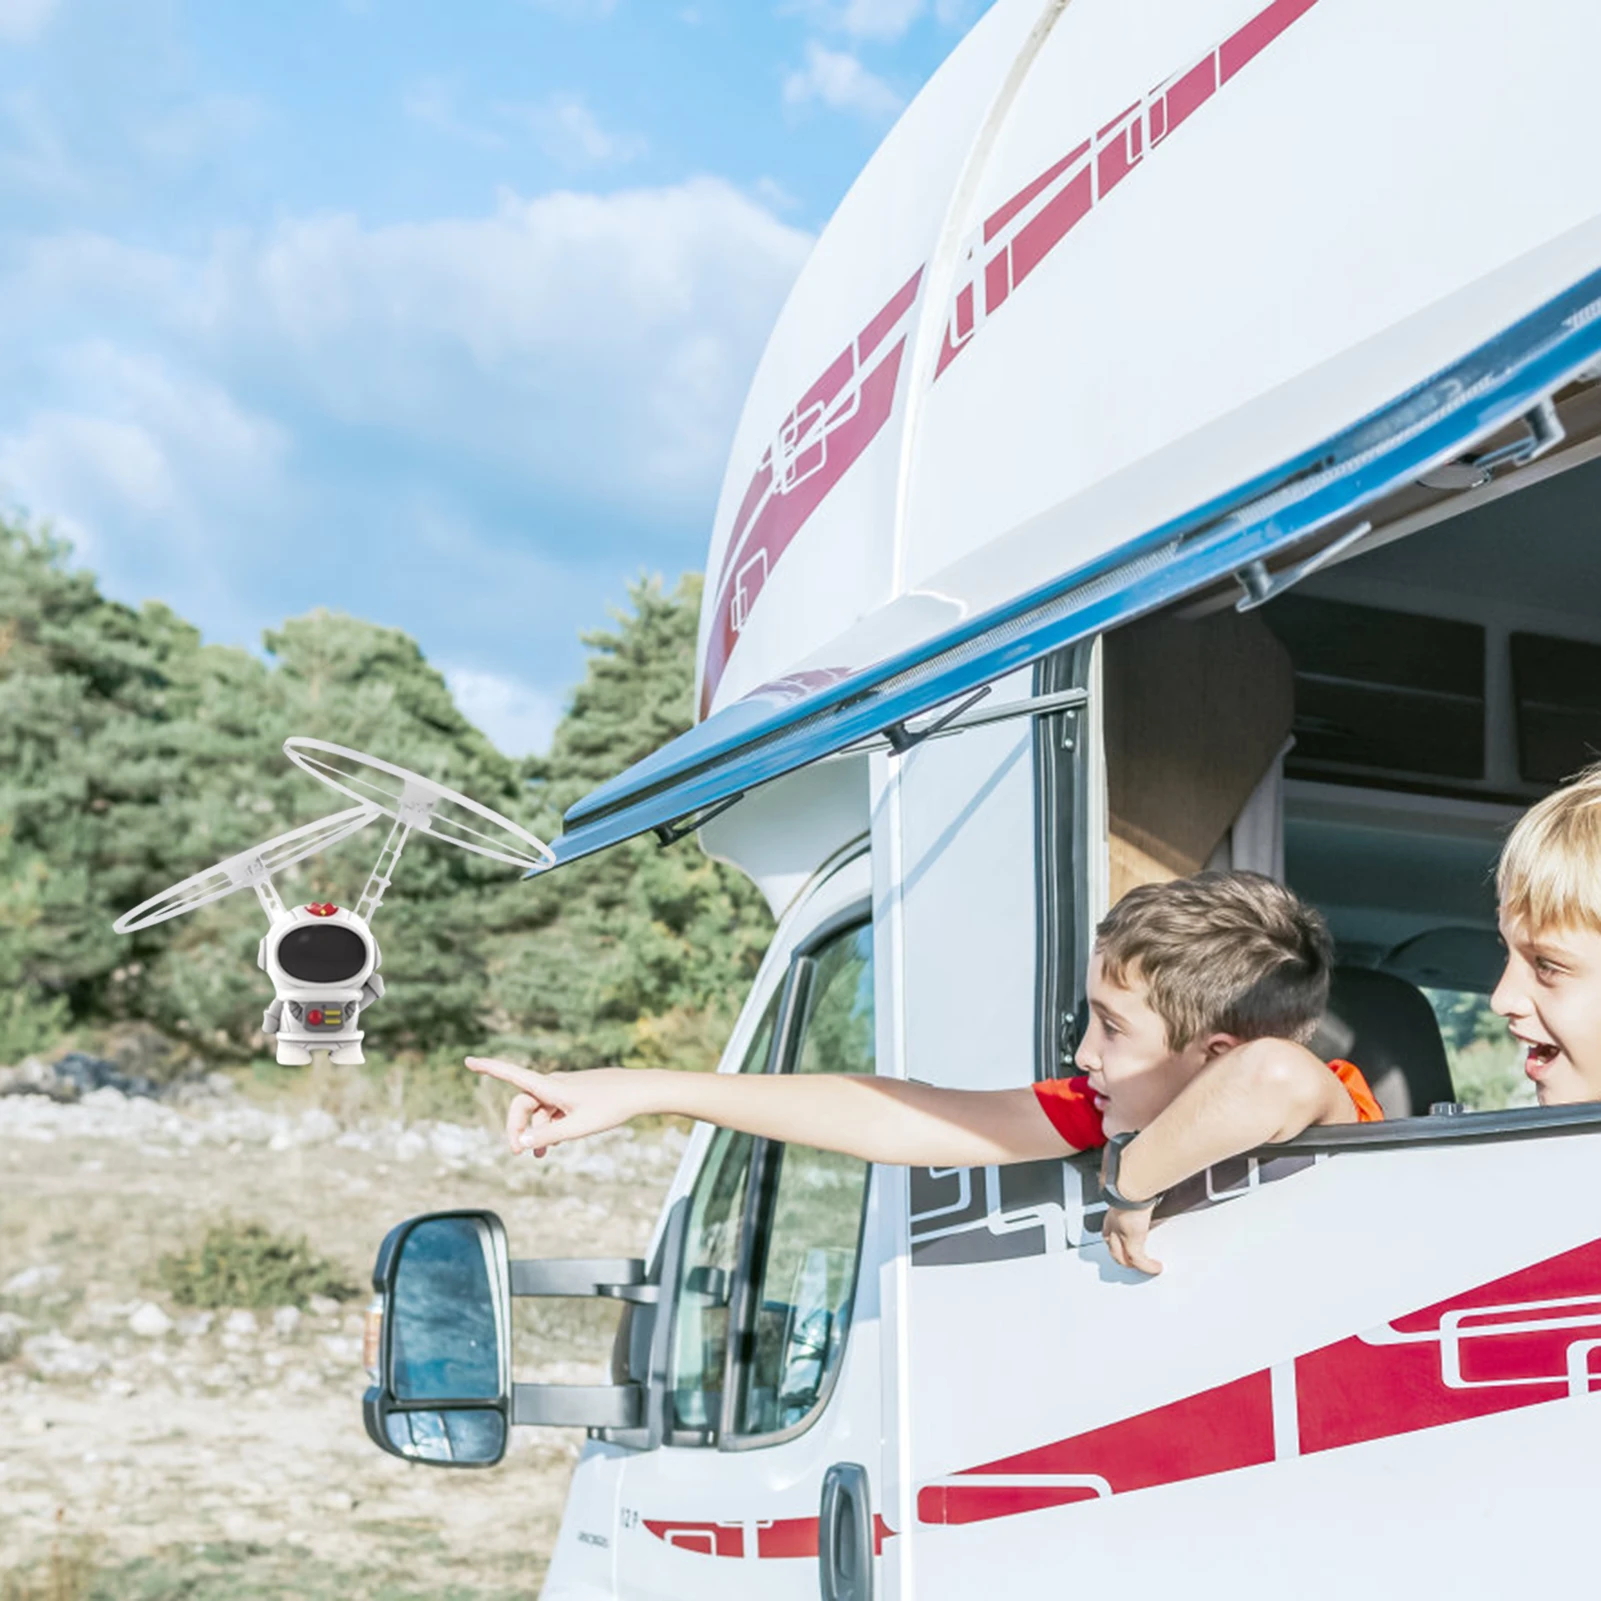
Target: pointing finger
(521, 1078)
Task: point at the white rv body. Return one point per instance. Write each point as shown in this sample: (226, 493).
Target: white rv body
(1126, 283)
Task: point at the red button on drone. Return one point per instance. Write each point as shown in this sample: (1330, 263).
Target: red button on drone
(322, 908)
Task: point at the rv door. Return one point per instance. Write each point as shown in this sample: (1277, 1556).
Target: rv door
(764, 1480)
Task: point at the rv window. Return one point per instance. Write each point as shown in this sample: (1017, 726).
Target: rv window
(1557, 683)
(803, 1265)
(711, 1247)
(1486, 1062)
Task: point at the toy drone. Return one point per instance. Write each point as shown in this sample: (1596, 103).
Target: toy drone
(322, 958)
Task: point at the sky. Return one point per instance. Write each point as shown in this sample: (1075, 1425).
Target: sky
(439, 315)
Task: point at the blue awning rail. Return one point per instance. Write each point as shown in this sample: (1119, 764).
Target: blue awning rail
(765, 736)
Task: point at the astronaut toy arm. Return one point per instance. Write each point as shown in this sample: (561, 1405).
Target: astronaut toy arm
(272, 1017)
(371, 991)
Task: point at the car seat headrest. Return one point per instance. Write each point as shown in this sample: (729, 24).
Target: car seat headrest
(1387, 1027)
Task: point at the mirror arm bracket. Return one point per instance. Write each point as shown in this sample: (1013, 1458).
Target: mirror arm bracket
(654, 1391)
(602, 1407)
(618, 1276)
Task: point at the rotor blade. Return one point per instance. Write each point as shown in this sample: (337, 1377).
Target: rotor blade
(246, 868)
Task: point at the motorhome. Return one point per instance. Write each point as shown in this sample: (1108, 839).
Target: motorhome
(1183, 447)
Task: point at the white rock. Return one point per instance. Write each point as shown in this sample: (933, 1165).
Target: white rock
(31, 1279)
(240, 1321)
(285, 1321)
(149, 1320)
(105, 1099)
(323, 1305)
(450, 1142)
(195, 1324)
(54, 1356)
(317, 1127)
(410, 1144)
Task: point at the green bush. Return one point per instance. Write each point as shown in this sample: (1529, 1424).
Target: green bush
(246, 1264)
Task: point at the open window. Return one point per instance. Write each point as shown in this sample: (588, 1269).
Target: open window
(767, 1282)
(1371, 734)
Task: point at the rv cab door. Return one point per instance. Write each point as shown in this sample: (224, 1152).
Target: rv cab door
(770, 1457)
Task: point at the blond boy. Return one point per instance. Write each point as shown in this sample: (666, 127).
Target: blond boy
(1198, 992)
(1549, 886)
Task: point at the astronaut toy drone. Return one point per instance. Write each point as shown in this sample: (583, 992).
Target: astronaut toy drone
(323, 963)
(322, 959)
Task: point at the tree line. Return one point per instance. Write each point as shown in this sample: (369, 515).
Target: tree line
(132, 754)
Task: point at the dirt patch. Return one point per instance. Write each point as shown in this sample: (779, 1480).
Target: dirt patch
(159, 1451)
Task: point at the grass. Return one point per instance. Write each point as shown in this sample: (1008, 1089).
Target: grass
(65, 1575)
(238, 1571)
(410, 1090)
(246, 1264)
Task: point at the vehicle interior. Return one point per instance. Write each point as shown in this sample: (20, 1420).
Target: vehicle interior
(1371, 734)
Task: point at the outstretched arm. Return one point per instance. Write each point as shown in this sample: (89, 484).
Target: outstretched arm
(876, 1119)
(1256, 1094)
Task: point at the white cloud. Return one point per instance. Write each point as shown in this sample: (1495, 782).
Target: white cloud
(571, 133)
(588, 342)
(148, 453)
(23, 19)
(564, 126)
(840, 81)
(518, 718)
(577, 342)
(433, 104)
(862, 19)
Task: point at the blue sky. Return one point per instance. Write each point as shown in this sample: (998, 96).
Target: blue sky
(437, 314)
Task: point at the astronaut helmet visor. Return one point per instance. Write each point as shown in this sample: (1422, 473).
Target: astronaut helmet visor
(322, 954)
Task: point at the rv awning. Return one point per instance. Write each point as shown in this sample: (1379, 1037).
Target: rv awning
(940, 642)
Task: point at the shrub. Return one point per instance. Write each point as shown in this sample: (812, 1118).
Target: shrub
(246, 1264)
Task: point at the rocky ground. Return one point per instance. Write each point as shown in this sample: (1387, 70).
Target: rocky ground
(152, 1451)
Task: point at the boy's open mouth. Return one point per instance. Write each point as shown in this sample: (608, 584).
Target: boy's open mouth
(1539, 1058)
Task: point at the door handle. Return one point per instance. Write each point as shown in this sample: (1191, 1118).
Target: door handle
(845, 1535)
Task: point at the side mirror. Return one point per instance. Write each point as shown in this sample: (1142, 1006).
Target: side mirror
(438, 1341)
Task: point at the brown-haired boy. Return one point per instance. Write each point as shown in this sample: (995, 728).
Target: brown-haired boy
(1549, 886)
(1198, 991)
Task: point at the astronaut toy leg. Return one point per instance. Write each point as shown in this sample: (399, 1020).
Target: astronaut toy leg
(348, 1054)
(293, 1054)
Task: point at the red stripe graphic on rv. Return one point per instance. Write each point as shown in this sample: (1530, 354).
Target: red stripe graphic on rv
(1015, 239)
(839, 416)
(831, 425)
(773, 1537)
(1531, 1337)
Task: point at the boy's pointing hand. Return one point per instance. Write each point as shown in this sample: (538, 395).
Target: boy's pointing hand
(552, 1108)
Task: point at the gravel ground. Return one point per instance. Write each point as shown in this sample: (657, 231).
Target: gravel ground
(152, 1451)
